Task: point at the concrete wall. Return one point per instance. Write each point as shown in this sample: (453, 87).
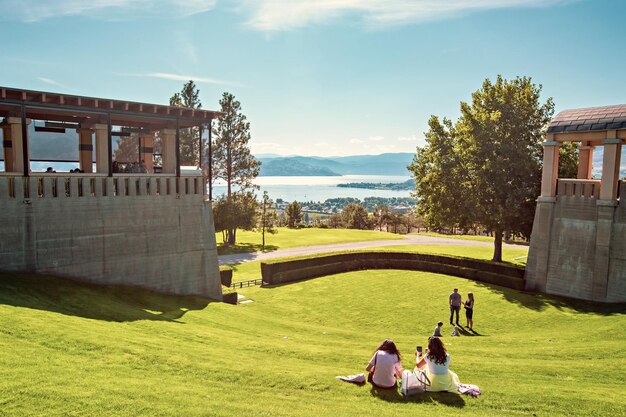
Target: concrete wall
(578, 247)
(153, 232)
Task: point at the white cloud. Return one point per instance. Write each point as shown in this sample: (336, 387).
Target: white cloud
(35, 10)
(274, 15)
(187, 47)
(406, 139)
(49, 81)
(181, 77)
(376, 138)
(355, 141)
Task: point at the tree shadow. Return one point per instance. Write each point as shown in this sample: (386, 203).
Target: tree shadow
(239, 248)
(115, 303)
(444, 398)
(539, 302)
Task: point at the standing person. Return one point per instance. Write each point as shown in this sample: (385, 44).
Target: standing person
(455, 305)
(438, 369)
(385, 365)
(469, 310)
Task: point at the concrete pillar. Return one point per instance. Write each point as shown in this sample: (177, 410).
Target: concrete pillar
(7, 144)
(17, 141)
(102, 148)
(85, 149)
(536, 275)
(585, 161)
(604, 228)
(168, 144)
(610, 166)
(550, 171)
(146, 150)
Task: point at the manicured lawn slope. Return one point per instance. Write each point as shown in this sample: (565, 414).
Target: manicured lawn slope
(73, 349)
(249, 241)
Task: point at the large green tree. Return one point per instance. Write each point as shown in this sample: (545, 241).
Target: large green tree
(188, 97)
(441, 177)
(232, 160)
(485, 169)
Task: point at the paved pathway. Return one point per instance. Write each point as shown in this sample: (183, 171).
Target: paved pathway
(306, 250)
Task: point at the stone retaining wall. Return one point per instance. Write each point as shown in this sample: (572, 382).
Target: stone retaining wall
(296, 270)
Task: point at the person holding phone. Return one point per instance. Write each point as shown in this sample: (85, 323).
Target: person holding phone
(437, 366)
(385, 366)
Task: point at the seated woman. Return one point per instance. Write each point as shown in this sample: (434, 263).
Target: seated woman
(385, 365)
(438, 361)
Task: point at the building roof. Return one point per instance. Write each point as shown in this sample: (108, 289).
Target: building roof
(589, 119)
(70, 108)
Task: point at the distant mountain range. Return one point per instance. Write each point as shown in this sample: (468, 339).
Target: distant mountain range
(384, 164)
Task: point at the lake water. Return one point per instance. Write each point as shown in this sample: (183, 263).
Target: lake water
(320, 188)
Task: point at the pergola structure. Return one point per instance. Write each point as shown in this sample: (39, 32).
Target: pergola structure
(150, 229)
(578, 242)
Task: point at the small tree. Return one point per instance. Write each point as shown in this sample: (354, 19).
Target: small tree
(267, 218)
(294, 214)
(355, 216)
(381, 215)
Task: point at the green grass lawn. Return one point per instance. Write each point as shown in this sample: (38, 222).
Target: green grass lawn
(478, 238)
(80, 350)
(249, 241)
(514, 255)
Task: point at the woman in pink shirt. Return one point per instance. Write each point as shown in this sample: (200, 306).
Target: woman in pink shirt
(385, 365)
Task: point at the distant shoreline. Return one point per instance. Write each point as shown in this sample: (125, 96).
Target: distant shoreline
(394, 186)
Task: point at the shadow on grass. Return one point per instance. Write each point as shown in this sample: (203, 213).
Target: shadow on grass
(92, 301)
(444, 398)
(244, 248)
(539, 302)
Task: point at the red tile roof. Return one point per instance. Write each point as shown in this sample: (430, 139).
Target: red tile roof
(589, 119)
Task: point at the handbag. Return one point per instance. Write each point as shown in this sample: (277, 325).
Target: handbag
(414, 382)
(370, 374)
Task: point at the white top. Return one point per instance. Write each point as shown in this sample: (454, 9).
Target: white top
(386, 366)
(436, 368)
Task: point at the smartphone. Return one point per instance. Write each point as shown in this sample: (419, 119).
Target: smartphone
(419, 349)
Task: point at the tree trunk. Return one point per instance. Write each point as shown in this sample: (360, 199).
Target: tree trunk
(497, 246)
(263, 236)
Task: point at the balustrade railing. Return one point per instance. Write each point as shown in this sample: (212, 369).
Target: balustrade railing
(51, 185)
(578, 188)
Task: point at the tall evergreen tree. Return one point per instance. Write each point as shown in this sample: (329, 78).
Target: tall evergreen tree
(232, 160)
(293, 212)
(188, 97)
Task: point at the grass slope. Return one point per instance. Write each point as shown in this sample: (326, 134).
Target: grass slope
(74, 349)
(250, 241)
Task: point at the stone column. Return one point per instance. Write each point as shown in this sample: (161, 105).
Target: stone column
(17, 141)
(146, 150)
(85, 149)
(168, 143)
(610, 166)
(585, 161)
(550, 172)
(102, 149)
(604, 228)
(7, 143)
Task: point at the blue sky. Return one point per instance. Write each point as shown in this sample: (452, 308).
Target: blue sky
(318, 77)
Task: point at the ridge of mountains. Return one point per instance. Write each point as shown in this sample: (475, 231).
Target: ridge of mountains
(383, 164)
